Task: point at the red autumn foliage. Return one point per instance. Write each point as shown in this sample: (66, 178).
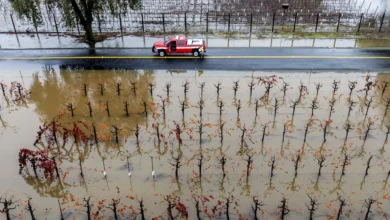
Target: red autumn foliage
(39, 160)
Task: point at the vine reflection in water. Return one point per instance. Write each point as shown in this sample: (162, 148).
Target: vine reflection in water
(98, 130)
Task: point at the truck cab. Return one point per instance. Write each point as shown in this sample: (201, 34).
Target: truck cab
(179, 45)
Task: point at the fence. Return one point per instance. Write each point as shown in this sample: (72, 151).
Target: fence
(213, 22)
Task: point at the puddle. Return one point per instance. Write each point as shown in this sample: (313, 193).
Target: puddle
(52, 89)
(365, 43)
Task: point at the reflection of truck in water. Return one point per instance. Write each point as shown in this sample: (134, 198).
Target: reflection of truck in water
(179, 45)
(176, 71)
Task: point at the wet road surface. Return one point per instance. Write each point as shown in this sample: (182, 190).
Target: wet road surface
(215, 59)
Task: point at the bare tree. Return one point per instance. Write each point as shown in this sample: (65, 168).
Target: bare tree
(168, 89)
(102, 88)
(71, 108)
(141, 209)
(321, 161)
(276, 107)
(294, 105)
(116, 133)
(107, 109)
(318, 87)
(352, 86)
(368, 203)
(177, 165)
(249, 161)
(367, 104)
(384, 86)
(113, 207)
(368, 165)
(88, 206)
(238, 108)
(31, 210)
(222, 161)
(351, 105)
(220, 106)
(134, 88)
(201, 86)
(235, 88)
(85, 88)
(312, 207)
(284, 88)
(251, 86)
(126, 109)
(90, 109)
(387, 106)
(170, 206)
(345, 162)
(296, 164)
(283, 209)
(186, 87)
(257, 105)
(151, 88)
(256, 207)
(200, 164)
(335, 86)
(118, 88)
(340, 212)
(272, 165)
(331, 106)
(313, 105)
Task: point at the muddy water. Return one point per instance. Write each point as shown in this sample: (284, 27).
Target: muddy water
(52, 89)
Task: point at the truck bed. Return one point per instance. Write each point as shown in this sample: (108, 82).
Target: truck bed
(195, 42)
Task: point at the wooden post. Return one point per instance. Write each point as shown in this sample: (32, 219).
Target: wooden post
(318, 16)
(383, 17)
(13, 24)
(338, 23)
(250, 27)
(273, 22)
(360, 22)
(163, 21)
(120, 21)
(229, 23)
(55, 22)
(185, 22)
(77, 24)
(207, 22)
(295, 21)
(99, 24)
(142, 20)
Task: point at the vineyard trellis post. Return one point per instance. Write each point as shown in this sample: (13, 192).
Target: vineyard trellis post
(13, 23)
(207, 22)
(229, 23)
(338, 23)
(142, 20)
(318, 18)
(360, 22)
(295, 21)
(383, 17)
(273, 22)
(250, 27)
(55, 22)
(163, 21)
(185, 22)
(99, 23)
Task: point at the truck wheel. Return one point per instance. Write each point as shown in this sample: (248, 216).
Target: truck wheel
(195, 53)
(161, 53)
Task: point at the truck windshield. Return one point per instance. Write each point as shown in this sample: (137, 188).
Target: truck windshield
(166, 42)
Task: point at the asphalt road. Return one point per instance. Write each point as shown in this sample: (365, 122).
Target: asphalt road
(215, 59)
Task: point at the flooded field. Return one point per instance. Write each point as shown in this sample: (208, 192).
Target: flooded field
(193, 144)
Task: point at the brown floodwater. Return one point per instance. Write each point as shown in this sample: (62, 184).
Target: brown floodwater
(52, 89)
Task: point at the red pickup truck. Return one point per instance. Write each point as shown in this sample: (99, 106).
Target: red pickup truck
(179, 45)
